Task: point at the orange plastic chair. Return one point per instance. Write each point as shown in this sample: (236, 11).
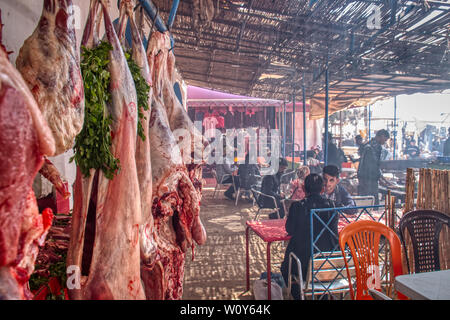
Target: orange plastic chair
(363, 240)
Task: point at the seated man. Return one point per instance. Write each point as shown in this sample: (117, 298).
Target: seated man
(334, 191)
(271, 186)
(298, 226)
(248, 173)
(223, 169)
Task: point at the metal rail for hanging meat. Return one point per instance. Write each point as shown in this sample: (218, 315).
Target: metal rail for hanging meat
(152, 12)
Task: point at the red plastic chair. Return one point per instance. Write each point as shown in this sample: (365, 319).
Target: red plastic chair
(363, 240)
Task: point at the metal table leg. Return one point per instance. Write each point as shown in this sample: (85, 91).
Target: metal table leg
(269, 280)
(247, 258)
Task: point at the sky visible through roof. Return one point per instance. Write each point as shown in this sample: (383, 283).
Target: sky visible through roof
(432, 108)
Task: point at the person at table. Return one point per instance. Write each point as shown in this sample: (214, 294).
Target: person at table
(359, 141)
(412, 151)
(334, 191)
(271, 186)
(298, 226)
(296, 186)
(248, 173)
(369, 169)
(244, 177)
(226, 168)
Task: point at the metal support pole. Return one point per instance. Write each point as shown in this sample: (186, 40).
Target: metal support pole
(304, 121)
(173, 13)
(325, 149)
(395, 127)
(370, 117)
(284, 129)
(293, 130)
(152, 12)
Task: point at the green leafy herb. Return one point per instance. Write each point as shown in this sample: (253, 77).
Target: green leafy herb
(93, 144)
(142, 91)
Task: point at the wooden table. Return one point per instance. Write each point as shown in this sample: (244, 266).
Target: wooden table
(269, 231)
(425, 286)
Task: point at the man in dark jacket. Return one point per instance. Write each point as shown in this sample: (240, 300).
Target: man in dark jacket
(298, 226)
(334, 191)
(335, 155)
(248, 173)
(271, 186)
(369, 166)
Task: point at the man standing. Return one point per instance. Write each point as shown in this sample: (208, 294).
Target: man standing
(369, 167)
(447, 145)
(359, 141)
(335, 155)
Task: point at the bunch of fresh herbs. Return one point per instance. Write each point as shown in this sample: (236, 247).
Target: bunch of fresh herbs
(142, 91)
(93, 144)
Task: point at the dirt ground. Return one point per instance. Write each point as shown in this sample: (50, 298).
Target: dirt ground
(218, 270)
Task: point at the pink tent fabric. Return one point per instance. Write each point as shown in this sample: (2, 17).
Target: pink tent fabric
(200, 97)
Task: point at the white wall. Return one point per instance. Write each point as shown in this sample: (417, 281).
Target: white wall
(20, 18)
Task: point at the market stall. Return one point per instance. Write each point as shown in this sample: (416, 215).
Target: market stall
(94, 103)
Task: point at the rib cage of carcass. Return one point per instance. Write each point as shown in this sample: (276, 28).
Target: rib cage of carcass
(176, 153)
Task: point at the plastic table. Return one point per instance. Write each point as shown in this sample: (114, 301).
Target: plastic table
(425, 286)
(269, 231)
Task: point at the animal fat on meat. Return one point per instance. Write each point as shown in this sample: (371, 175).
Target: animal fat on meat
(50, 65)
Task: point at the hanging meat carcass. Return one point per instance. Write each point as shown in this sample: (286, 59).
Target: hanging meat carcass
(143, 160)
(104, 243)
(176, 201)
(189, 138)
(60, 95)
(50, 65)
(24, 140)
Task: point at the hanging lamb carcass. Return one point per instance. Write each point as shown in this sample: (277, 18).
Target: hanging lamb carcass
(176, 194)
(50, 65)
(104, 243)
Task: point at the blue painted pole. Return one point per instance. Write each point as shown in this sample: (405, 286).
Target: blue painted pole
(395, 127)
(293, 130)
(152, 12)
(325, 150)
(304, 120)
(284, 129)
(173, 13)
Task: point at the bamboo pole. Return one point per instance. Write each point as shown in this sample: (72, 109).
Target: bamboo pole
(410, 186)
(419, 204)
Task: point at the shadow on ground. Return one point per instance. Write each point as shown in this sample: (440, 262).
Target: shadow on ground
(218, 269)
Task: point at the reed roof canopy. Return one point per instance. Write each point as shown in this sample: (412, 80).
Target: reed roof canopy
(273, 48)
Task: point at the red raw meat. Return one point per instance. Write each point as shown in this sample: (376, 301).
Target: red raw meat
(24, 139)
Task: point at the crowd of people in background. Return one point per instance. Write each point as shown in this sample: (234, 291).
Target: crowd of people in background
(437, 145)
